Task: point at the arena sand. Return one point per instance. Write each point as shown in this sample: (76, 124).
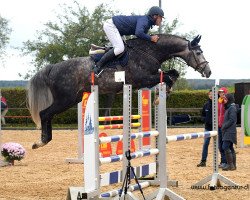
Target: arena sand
(44, 174)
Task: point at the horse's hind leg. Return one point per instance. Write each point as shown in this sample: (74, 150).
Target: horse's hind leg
(46, 135)
(46, 118)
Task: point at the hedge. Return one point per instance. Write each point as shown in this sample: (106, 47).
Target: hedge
(16, 98)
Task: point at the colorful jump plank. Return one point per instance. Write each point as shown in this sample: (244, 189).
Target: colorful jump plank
(117, 126)
(116, 118)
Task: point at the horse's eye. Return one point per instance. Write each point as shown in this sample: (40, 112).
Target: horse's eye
(198, 53)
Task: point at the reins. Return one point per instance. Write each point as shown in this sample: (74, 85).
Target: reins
(197, 68)
(190, 54)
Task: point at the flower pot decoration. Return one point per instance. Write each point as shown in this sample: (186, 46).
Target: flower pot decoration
(12, 151)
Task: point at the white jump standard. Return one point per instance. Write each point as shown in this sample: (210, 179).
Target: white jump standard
(91, 170)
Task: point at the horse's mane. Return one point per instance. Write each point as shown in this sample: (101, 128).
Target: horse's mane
(136, 40)
(174, 41)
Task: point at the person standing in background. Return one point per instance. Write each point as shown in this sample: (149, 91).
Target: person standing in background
(4, 109)
(207, 118)
(229, 132)
(221, 111)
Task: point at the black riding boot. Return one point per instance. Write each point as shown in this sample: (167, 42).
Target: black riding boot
(105, 58)
(234, 159)
(202, 164)
(229, 157)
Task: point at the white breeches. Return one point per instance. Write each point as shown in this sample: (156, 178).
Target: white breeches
(114, 36)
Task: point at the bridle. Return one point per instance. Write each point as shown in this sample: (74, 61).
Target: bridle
(200, 66)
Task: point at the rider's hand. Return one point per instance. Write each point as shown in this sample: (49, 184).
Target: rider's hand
(154, 38)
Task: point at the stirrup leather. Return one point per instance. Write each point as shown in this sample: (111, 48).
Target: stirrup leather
(98, 74)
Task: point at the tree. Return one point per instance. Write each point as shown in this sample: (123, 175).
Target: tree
(4, 35)
(70, 37)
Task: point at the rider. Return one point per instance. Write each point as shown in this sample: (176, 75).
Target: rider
(120, 25)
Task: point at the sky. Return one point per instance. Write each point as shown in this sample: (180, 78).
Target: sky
(223, 25)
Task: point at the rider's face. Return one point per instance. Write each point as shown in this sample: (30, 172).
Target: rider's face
(210, 95)
(158, 20)
(221, 94)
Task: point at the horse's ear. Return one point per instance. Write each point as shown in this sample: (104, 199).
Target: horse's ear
(196, 40)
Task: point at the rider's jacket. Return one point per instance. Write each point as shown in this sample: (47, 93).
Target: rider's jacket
(137, 25)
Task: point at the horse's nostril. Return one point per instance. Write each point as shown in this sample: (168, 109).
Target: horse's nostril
(209, 74)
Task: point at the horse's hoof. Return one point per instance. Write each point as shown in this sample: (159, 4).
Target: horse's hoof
(35, 146)
(38, 145)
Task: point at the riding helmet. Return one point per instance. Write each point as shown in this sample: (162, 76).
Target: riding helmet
(155, 10)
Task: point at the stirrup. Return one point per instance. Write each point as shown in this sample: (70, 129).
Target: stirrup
(99, 73)
(95, 47)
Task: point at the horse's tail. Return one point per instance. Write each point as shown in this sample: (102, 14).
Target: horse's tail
(39, 96)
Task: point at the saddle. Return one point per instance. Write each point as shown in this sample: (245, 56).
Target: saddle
(96, 52)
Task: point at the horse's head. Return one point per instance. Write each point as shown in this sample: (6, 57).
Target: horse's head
(194, 58)
(190, 52)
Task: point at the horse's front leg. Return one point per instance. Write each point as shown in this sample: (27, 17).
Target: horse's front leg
(152, 80)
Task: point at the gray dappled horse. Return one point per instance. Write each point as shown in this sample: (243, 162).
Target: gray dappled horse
(58, 87)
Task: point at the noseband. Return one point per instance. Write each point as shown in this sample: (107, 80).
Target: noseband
(200, 66)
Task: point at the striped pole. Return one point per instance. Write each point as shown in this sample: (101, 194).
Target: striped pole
(117, 126)
(136, 186)
(116, 118)
(117, 138)
(137, 154)
(132, 188)
(190, 136)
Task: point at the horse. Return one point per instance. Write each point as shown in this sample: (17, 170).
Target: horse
(58, 87)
